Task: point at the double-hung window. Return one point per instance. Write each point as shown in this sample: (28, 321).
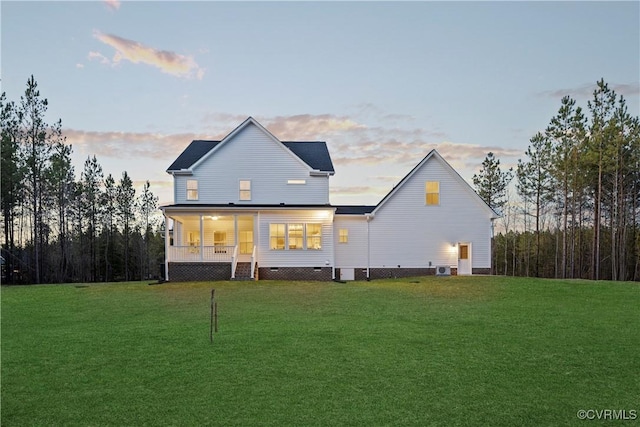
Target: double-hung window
(245, 189)
(192, 189)
(432, 189)
(276, 236)
(314, 236)
(295, 236)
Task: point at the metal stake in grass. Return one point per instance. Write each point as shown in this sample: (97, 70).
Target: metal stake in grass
(213, 304)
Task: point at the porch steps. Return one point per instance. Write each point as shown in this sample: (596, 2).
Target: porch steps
(243, 271)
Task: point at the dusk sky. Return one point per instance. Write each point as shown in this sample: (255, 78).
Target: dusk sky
(382, 83)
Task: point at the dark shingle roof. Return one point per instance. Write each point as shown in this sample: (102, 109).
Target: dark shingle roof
(353, 210)
(192, 154)
(313, 153)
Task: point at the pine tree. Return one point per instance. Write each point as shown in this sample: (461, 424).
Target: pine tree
(148, 204)
(91, 198)
(37, 152)
(10, 180)
(60, 179)
(534, 184)
(125, 208)
(491, 185)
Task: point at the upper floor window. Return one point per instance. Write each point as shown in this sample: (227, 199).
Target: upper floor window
(433, 192)
(245, 189)
(192, 189)
(343, 235)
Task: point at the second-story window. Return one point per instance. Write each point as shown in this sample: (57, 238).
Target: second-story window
(432, 189)
(192, 189)
(245, 189)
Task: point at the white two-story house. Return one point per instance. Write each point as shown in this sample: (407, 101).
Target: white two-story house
(251, 206)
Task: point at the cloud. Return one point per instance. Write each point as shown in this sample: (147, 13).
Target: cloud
(97, 56)
(168, 62)
(154, 184)
(112, 4)
(145, 145)
(354, 143)
(586, 90)
(308, 126)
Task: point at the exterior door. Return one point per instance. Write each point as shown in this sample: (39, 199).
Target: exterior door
(245, 238)
(464, 258)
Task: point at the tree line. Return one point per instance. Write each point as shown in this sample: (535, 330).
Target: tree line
(571, 208)
(59, 228)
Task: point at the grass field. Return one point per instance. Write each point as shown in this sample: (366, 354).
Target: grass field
(429, 351)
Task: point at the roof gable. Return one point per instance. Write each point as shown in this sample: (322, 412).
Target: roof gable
(435, 155)
(312, 154)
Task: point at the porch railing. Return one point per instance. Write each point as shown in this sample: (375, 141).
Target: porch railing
(195, 254)
(234, 261)
(253, 262)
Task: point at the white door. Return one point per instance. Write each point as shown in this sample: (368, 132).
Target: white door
(347, 274)
(464, 258)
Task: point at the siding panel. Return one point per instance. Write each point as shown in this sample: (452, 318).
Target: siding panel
(354, 253)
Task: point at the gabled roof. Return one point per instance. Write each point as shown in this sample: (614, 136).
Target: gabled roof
(465, 184)
(314, 154)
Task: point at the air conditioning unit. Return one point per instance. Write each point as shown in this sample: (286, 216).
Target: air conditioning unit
(443, 270)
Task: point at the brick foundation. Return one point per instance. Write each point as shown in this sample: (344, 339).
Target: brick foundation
(198, 271)
(295, 273)
(393, 273)
(480, 271)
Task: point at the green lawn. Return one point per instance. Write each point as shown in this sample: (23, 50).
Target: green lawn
(428, 351)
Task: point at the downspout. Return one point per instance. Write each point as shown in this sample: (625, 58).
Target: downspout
(369, 217)
(333, 244)
(166, 247)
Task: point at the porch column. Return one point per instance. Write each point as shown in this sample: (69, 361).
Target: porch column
(201, 237)
(166, 247)
(235, 230)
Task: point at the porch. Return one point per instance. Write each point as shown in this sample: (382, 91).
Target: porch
(213, 243)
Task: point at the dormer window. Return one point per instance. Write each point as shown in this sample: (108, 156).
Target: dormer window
(192, 189)
(245, 189)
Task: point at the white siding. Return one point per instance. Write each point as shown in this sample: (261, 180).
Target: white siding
(406, 232)
(251, 154)
(295, 258)
(352, 254)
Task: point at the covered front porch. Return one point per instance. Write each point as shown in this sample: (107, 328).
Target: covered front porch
(211, 237)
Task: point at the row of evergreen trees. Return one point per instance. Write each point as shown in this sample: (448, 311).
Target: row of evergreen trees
(576, 208)
(61, 229)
